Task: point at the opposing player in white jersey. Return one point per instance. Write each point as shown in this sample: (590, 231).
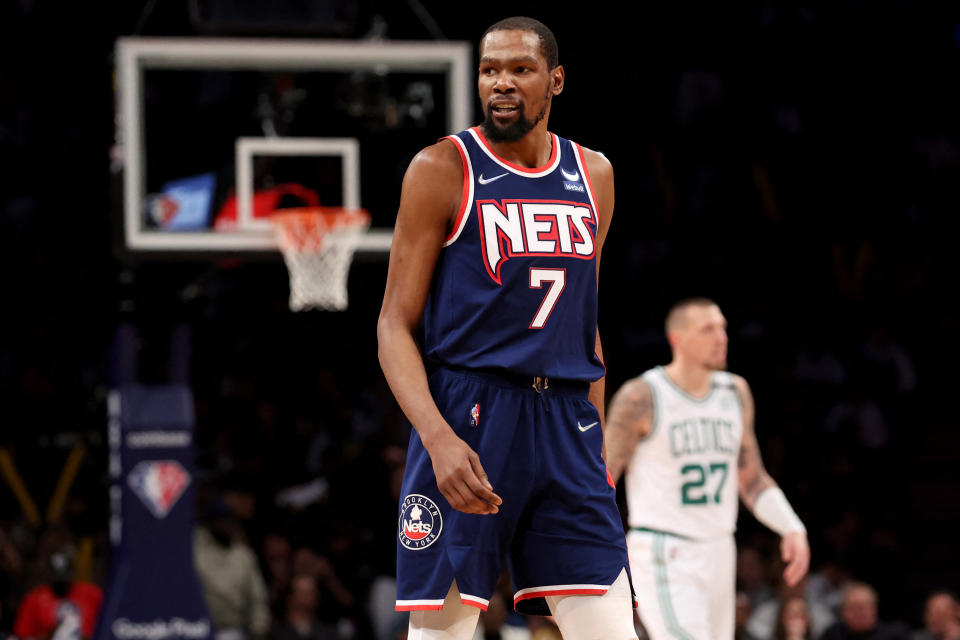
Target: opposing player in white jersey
(684, 434)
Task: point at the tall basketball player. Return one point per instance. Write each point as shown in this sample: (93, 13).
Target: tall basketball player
(496, 252)
(682, 432)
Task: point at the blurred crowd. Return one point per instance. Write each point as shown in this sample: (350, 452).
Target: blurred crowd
(299, 479)
(299, 469)
(808, 190)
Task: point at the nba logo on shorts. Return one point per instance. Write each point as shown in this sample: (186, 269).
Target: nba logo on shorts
(420, 522)
(475, 415)
(159, 484)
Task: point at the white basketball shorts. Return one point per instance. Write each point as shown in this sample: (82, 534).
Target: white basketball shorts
(686, 588)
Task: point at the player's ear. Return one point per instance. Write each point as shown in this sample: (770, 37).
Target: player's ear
(673, 338)
(556, 80)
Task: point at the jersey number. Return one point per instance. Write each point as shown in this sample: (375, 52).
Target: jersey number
(693, 490)
(557, 279)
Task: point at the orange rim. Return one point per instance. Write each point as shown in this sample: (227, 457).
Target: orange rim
(303, 228)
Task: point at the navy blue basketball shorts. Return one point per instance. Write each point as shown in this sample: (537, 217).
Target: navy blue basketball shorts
(558, 528)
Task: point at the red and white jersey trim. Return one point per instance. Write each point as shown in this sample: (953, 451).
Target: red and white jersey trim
(437, 605)
(561, 590)
(466, 200)
(474, 601)
(582, 163)
(536, 172)
(419, 605)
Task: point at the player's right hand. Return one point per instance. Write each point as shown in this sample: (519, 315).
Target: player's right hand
(461, 478)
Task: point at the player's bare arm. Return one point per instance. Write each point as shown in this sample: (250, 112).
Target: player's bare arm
(756, 485)
(429, 200)
(601, 178)
(753, 477)
(629, 420)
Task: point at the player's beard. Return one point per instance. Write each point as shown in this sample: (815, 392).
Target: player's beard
(516, 129)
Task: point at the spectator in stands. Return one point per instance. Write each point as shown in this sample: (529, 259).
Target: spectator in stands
(544, 629)
(826, 585)
(742, 612)
(278, 562)
(500, 621)
(941, 617)
(494, 618)
(232, 582)
(793, 621)
(300, 619)
(335, 600)
(62, 608)
(882, 352)
(766, 616)
(858, 417)
(752, 578)
(858, 618)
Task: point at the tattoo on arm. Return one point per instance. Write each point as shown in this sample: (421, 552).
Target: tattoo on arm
(753, 477)
(629, 418)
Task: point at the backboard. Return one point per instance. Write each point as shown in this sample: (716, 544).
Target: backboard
(211, 127)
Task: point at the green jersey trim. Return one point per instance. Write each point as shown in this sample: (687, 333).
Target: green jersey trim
(656, 403)
(695, 399)
(663, 590)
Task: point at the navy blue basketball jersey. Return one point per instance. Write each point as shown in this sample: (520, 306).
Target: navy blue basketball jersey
(515, 286)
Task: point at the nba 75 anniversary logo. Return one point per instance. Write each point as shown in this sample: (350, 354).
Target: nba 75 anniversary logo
(159, 484)
(420, 522)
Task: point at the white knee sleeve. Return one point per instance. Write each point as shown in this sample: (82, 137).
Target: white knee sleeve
(606, 617)
(456, 621)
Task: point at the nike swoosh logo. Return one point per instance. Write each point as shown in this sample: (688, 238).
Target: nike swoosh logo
(586, 428)
(483, 180)
(572, 177)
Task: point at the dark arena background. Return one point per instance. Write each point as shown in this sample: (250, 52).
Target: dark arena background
(798, 162)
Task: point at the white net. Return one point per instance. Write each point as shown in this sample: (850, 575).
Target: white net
(318, 247)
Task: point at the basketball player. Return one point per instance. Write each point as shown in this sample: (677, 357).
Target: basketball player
(682, 431)
(496, 250)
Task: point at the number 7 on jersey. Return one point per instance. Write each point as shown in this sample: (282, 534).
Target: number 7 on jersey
(557, 279)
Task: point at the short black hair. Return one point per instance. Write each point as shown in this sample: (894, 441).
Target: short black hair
(676, 311)
(548, 43)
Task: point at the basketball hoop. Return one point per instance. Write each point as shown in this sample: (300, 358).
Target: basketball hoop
(318, 244)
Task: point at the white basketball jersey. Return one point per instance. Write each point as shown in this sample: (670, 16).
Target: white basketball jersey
(682, 478)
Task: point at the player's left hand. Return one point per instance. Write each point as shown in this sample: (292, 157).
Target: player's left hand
(795, 551)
